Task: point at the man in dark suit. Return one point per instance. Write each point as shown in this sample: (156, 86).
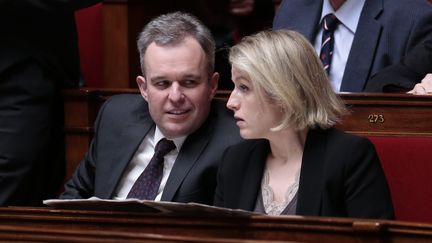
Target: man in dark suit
(413, 73)
(372, 34)
(178, 86)
(38, 57)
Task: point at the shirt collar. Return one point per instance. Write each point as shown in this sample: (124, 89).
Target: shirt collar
(348, 14)
(158, 135)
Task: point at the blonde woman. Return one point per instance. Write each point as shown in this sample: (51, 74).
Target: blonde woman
(294, 162)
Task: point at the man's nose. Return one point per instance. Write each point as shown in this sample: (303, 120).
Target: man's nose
(176, 93)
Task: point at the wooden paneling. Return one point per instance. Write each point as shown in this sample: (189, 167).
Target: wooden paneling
(380, 114)
(116, 45)
(122, 21)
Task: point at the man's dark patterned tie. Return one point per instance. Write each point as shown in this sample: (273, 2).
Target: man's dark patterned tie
(329, 25)
(147, 184)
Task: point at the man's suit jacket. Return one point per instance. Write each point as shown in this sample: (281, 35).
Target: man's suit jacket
(387, 30)
(38, 56)
(405, 75)
(44, 32)
(340, 176)
(122, 124)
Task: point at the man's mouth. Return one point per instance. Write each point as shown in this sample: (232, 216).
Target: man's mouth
(178, 112)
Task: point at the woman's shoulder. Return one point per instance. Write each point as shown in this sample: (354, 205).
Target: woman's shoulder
(341, 139)
(341, 149)
(247, 150)
(242, 155)
(248, 145)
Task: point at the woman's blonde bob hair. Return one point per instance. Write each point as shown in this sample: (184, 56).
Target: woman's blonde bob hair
(284, 68)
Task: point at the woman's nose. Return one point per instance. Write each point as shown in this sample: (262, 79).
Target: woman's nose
(232, 102)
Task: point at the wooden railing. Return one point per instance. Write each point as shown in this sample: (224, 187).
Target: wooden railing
(388, 114)
(60, 225)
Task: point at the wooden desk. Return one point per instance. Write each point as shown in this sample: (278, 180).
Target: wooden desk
(55, 225)
(380, 114)
(371, 114)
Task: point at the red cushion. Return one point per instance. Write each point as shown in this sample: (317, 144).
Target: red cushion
(89, 26)
(408, 167)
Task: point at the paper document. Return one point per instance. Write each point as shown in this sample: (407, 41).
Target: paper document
(135, 205)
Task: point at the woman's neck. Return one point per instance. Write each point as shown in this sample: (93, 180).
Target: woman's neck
(283, 164)
(287, 145)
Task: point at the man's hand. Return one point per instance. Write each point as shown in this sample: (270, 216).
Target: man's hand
(423, 88)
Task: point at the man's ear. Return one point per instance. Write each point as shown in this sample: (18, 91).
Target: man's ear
(214, 83)
(142, 85)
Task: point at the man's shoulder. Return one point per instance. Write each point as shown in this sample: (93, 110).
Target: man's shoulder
(220, 125)
(412, 3)
(125, 102)
(221, 116)
(413, 8)
(123, 98)
(123, 106)
(219, 108)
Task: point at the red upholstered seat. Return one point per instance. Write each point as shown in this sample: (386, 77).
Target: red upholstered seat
(407, 162)
(89, 26)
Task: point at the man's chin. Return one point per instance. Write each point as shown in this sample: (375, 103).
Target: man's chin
(177, 131)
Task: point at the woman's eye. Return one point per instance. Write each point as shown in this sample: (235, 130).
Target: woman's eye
(243, 88)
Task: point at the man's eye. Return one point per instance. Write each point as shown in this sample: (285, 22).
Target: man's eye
(162, 84)
(189, 83)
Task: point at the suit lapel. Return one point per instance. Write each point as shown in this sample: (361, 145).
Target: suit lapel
(311, 175)
(251, 184)
(121, 155)
(189, 154)
(363, 48)
(293, 17)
